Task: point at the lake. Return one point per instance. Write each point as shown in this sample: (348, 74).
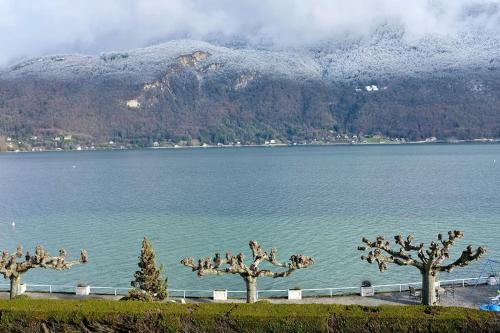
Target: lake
(319, 201)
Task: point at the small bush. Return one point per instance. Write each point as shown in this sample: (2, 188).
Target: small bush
(22, 296)
(138, 295)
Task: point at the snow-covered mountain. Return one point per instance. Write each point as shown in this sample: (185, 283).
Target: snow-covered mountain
(387, 83)
(385, 52)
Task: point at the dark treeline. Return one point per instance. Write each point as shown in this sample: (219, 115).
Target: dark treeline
(443, 105)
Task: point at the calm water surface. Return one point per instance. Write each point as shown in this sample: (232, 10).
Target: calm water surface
(319, 201)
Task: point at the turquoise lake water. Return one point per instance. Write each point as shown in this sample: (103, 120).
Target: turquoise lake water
(319, 201)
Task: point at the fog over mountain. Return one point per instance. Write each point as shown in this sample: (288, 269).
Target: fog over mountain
(35, 28)
(137, 72)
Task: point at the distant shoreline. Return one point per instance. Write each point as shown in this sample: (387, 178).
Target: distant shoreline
(278, 145)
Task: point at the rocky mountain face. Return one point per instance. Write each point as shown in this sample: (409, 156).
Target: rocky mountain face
(198, 92)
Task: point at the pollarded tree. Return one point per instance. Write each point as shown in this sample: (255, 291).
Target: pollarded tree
(11, 269)
(236, 265)
(148, 281)
(429, 261)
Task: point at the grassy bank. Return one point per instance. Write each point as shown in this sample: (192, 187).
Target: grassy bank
(111, 316)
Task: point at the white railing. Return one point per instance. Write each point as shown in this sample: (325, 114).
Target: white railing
(198, 293)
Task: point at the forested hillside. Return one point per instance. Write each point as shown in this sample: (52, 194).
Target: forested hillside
(195, 92)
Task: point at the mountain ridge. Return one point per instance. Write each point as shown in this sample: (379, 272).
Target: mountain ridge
(195, 91)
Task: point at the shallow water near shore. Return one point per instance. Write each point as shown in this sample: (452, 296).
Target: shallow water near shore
(319, 201)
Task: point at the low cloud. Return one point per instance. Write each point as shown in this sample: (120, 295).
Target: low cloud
(33, 28)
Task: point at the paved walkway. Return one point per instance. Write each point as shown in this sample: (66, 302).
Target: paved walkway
(37, 295)
(469, 297)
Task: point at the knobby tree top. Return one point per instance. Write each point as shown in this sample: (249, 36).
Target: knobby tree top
(236, 264)
(428, 259)
(10, 267)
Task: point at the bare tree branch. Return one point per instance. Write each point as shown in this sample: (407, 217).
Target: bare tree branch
(398, 257)
(211, 266)
(10, 268)
(465, 259)
(430, 259)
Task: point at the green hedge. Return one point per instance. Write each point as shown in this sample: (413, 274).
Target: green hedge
(25, 315)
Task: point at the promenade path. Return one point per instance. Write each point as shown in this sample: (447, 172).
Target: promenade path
(469, 297)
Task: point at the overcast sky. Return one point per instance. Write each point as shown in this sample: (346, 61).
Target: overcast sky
(30, 28)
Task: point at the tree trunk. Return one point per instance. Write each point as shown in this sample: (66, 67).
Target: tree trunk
(251, 283)
(428, 289)
(15, 281)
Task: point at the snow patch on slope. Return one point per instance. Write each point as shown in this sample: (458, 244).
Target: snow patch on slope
(386, 52)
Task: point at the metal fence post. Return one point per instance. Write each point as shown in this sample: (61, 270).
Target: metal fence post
(184, 293)
(50, 289)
